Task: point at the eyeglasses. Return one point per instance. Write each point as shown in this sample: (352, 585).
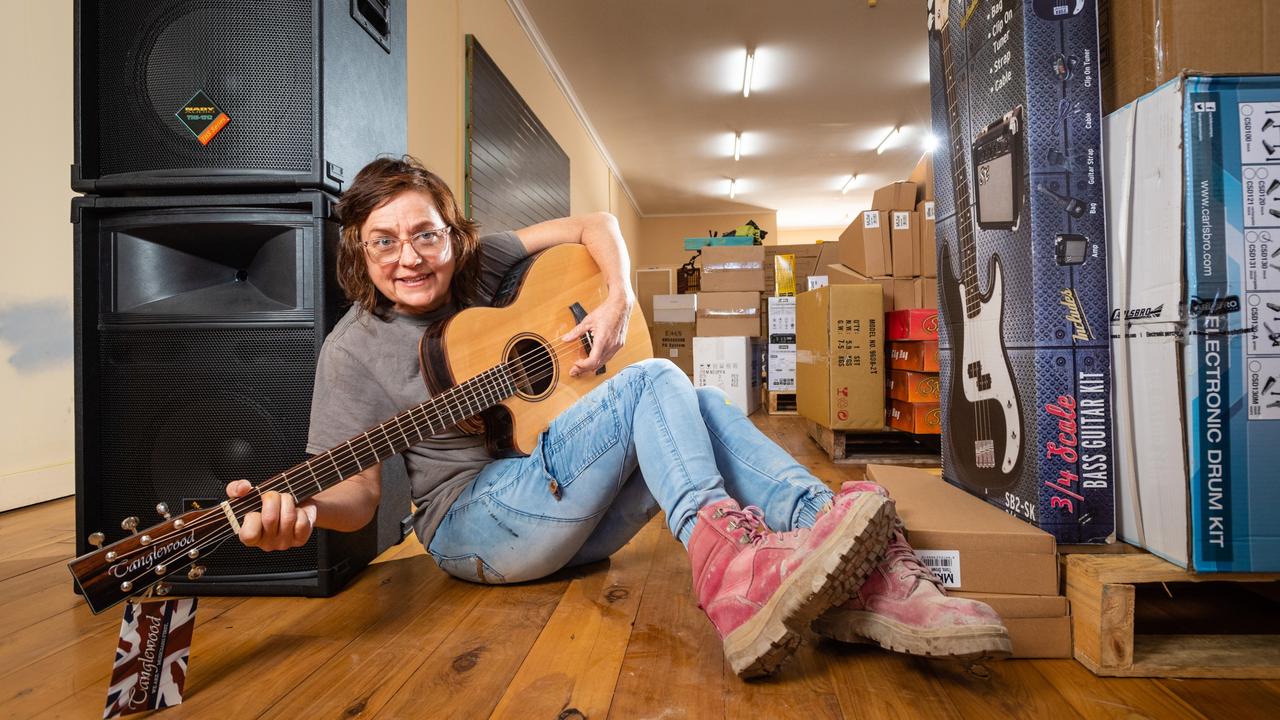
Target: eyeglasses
(385, 249)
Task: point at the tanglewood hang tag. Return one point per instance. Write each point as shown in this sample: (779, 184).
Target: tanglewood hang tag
(151, 658)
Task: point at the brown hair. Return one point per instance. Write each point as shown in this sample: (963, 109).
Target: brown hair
(375, 185)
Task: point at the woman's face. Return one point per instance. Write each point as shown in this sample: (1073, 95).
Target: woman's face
(416, 282)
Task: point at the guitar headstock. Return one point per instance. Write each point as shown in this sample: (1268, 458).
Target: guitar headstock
(130, 567)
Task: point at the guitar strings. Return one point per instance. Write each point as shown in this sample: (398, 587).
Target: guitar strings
(453, 400)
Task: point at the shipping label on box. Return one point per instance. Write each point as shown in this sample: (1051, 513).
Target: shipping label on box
(732, 269)
(733, 364)
(817, 281)
(1022, 260)
(782, 316)
(927, 247)
(674, 341)
(1195, 163)
(840, 364)
(675, 308)
(780, 367)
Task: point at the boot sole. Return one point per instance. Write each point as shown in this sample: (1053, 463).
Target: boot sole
(830, 576)
(969, 642)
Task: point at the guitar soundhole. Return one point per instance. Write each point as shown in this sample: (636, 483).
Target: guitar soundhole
(533, 366)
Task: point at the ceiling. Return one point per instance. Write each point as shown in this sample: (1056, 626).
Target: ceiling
(661, 83)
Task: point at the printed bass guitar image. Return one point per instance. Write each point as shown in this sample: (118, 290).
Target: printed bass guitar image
(984, 433)
(507, 365)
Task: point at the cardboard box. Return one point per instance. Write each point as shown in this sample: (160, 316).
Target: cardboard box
(724, 314)
(838, 274)
(651, 281)
(1022, 253)
(915, 293)
(1039, 625)
(1195, 288)
(782, 316)
(732, 269)
(927, 249)
(732, 364)
(915, 418)
(969, 544)
(1145, 44)
(922, 176)
(900, 195)
(918, 355)
(840, 363)
(780, 367)
(674, 309)
(866, 245)
(913, 324)
(805, 262)
(674, 341)
(904, 238)
(913, 387)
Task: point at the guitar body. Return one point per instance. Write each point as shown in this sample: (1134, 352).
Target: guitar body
(984, 427)
(525, 334)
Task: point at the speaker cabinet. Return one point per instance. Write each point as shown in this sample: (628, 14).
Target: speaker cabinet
(198, 323)
(239, 95)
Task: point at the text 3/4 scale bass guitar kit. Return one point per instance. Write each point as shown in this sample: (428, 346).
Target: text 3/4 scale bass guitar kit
(505, 365)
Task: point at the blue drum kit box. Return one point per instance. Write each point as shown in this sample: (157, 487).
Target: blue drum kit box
(1024, 342)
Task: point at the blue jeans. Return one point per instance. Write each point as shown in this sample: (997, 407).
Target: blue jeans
(644, 440)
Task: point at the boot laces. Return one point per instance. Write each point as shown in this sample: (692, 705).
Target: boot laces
(750, 519)
(905, 562)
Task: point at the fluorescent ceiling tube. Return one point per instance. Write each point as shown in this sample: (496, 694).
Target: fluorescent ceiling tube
(848, 183)
(746, 74)
(892, 134)
(737, 147)
(733, 187)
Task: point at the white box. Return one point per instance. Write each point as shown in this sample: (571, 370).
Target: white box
(782, 316)
(675, 308)
(780, 367)
(732, 364)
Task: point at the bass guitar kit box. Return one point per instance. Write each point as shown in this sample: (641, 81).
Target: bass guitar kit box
(1022, 260)
(1193, 180)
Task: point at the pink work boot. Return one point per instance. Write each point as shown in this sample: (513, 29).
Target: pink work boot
(761, 589)
(902, 607)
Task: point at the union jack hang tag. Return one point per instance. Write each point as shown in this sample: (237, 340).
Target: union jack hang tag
(151, 659)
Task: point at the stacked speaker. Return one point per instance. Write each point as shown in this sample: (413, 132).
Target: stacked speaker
(213, 138)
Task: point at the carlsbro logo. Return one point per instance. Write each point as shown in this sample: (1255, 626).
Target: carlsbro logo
(1075, 315)
(151, 557)
(1138, 313)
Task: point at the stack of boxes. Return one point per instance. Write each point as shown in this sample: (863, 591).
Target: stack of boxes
(728, 351)
(914, 389)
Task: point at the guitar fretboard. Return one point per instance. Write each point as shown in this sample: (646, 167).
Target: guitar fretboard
(959, 181)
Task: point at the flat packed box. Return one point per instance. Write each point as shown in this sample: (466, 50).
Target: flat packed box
(866, 245)
(917, 418)
(970, 545)
(674, 341)
(899, 195)
(927, 250)
(918, 355)
(674, 308)
(782, 316)
(913, 387)
(904, 239)
(732, 364)
(1039, 625)
(913, 324)
(1145, 44)
(838, 274)
(840, 363)
(651, 281)
(1022, 260)
(780, 367)
(732, 269)
(1195, 241)
(722, 314)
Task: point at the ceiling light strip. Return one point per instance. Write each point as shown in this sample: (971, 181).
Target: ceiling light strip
(746, 73)
(737, 147)
(733, 187)
(848, 183)
(892, 134)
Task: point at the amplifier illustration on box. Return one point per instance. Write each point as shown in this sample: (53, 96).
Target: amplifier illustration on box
(1021, 246)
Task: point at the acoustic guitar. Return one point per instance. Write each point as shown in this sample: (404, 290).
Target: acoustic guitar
(505, 364)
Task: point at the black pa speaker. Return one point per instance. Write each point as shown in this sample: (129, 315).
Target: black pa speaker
(198, 321)
(242, 95)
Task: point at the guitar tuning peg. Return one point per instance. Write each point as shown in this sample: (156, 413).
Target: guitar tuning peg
(130, 523)
(195, 572)
(96, 539)
(163, 509)
(162, 589)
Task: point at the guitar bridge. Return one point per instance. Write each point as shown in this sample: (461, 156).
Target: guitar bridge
(984, 453)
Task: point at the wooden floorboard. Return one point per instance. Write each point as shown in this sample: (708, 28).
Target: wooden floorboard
(621, 639)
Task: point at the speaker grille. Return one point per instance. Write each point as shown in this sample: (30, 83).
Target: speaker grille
(184, 411)
(252, 58)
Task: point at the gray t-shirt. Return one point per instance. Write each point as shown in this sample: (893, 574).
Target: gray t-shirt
(368, 372)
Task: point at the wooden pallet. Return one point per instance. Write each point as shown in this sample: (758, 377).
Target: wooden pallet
(885, 448)
(780, 403)
(1102, 590)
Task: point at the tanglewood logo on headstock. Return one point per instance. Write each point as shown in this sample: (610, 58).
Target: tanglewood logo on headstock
(153, 555)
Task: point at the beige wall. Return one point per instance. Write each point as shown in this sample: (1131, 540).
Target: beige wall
(808, 236)
(36, 428)
(662, 236)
